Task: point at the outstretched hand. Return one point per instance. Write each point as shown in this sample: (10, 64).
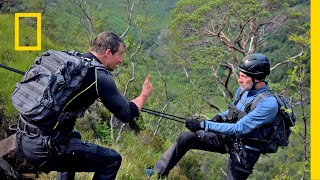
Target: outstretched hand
(146, 92)
(147, 87)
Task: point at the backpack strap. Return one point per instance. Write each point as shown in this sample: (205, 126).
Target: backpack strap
(90, 63)
(238, 97)
(246, 105)
(260, 97)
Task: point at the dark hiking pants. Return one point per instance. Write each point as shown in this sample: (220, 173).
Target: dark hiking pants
(207, 141)
(78, 156)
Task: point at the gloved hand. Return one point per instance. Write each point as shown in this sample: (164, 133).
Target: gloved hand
(217, 118)
(193, 124)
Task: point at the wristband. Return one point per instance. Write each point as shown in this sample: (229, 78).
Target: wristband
(202, 125)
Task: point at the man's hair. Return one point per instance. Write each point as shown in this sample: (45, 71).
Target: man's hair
(106, 40)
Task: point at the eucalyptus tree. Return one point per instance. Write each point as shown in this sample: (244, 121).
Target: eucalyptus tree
(211, 37)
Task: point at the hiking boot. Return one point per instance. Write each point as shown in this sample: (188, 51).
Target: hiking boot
(149, 171)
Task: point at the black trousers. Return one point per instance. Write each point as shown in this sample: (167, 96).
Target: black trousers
(208, 141)
(76, 156)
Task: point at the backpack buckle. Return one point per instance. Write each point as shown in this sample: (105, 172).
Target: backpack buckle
(46, 103)
(64, 116)
(60, 79)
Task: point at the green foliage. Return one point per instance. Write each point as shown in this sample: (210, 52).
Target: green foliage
(20, 60)
(191, 165)
(138, 153)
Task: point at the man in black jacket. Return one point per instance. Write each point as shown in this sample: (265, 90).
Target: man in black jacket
(69, 154)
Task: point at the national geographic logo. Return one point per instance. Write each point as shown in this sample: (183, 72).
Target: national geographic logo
(17, 46)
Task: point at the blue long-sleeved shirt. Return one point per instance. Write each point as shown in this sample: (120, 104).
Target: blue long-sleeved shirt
(265, 112)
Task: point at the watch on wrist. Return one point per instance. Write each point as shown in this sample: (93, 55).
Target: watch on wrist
(202, 125)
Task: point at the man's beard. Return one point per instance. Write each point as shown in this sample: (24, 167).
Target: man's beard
(247, 87)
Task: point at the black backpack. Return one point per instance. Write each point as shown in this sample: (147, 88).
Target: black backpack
(280, 130)
(47, 86)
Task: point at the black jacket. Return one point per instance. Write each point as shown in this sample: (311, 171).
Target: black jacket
(98, 83)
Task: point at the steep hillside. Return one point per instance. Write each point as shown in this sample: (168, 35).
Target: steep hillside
(20, 60)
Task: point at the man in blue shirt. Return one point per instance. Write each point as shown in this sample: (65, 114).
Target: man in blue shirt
(222, 133)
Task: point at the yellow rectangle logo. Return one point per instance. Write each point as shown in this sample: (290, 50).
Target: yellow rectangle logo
(17, 31)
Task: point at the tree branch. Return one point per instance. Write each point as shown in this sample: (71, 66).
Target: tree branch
(225, 84)
(287, 61)
(160, 118)
(129, 11)
(130, 80)
(84, 7)
(119, 133)
(202, 96)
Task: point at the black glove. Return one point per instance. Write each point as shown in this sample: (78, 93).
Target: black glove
(193, 124)
(217, 118)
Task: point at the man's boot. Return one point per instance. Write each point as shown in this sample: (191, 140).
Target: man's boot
(168, 160)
